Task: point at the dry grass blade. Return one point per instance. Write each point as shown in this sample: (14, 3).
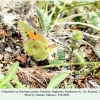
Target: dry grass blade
(34, 77)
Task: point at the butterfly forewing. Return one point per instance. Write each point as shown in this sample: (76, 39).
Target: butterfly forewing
(27, 31)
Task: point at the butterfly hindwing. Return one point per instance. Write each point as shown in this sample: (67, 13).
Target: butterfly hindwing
(36, 49)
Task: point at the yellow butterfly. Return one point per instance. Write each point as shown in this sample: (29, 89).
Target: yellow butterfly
(35, 43)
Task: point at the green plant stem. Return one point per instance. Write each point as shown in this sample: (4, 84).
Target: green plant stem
(53, 11)
(78, 6)
(69, 64)
(47, 7)
(62, 7)
(93, 69)
(40, 4)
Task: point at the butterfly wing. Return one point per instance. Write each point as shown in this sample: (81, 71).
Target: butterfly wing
(37, 49)
(27, 31)
(22, 29)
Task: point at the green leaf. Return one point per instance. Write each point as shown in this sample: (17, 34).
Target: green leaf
(45, 20)
(10, 74)
(79, 57)
(60, 54)
(93, 19)
(77, 35)
(57, 79)
(7, 85)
